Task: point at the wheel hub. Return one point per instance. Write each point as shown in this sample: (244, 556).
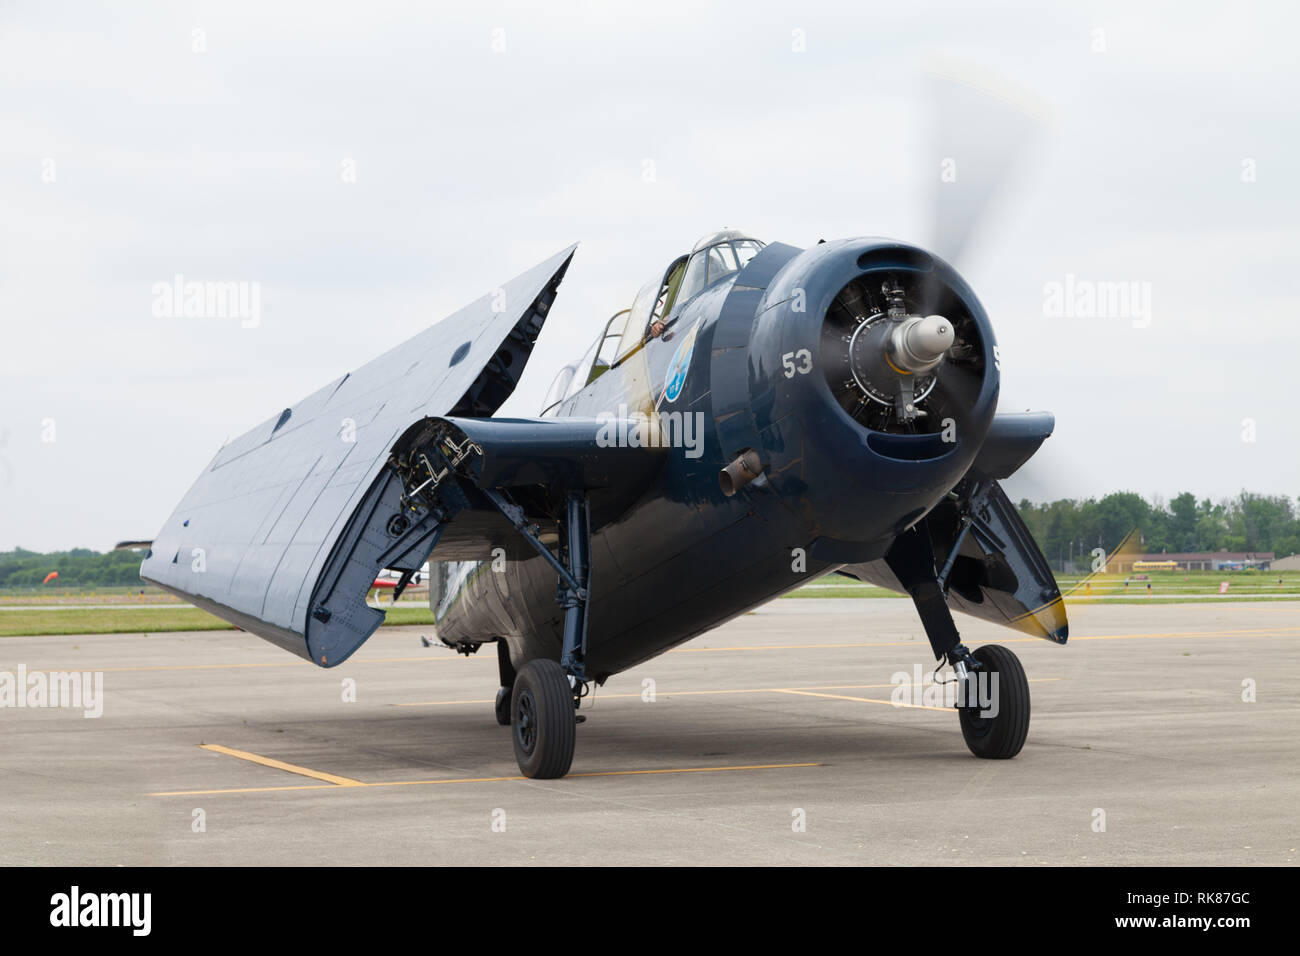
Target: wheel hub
(526, 722)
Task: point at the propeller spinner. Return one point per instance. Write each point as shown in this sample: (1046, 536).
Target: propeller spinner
(887, 352)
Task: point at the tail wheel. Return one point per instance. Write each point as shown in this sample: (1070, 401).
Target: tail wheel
(543, 715)
(502, 706)
(999, 731)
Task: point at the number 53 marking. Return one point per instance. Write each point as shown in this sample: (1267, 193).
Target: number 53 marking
(803, 357)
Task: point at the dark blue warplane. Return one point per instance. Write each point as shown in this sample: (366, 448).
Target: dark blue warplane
(761, 416)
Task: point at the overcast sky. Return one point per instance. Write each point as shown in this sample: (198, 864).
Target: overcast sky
(373, 167)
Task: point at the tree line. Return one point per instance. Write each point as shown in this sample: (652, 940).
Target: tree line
(1066, 530)
(78, 568)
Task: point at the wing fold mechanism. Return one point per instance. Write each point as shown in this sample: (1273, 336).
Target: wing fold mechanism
(518, 478)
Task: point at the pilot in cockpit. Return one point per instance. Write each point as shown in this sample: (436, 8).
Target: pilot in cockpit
(713, 256)
(655, 310)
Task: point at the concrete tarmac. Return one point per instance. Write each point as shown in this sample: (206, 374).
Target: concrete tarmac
(772, 740)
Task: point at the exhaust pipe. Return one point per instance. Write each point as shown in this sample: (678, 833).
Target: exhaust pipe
(740, 472)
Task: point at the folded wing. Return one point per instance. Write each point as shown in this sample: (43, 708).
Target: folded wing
(284, 512)
(985, 559)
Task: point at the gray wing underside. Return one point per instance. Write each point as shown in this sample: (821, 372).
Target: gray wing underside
(252, 537)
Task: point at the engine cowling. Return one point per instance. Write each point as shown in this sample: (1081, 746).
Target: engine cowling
(873, 380)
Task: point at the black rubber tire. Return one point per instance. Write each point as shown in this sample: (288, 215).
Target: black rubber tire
(502, 705)
(1000, 737)
(542, 715)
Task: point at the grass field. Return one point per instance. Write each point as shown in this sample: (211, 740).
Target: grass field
(127, 611)
(144, 620)
(1167, 587)
(52, 595)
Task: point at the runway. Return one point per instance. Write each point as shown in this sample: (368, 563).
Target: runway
(772, 740)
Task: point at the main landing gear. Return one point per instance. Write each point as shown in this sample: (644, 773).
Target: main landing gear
(992, 691)
(540, 702)
(542, 715)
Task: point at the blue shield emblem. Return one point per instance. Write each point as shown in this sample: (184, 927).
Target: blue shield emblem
(676, 377)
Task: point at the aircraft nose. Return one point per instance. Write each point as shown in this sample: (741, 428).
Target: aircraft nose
(870, 381)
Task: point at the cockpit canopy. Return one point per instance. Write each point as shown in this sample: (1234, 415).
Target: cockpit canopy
(713, 257)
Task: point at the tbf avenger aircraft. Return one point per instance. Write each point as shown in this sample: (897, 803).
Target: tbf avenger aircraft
(761, 415)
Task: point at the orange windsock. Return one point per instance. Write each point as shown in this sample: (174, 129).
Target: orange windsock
(50, 577)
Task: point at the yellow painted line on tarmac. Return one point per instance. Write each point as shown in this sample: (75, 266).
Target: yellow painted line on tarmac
(294, 663)
(204, 793)
(674, 693)
(695, 693)
(1239, 632)
(752, 766)
(1233, 632)
(864, 700)
(329, 778)
(429, 783)
(799, 647)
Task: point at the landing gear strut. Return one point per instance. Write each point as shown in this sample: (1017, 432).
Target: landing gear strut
(506, 691)
(993, 692)
(544, 696)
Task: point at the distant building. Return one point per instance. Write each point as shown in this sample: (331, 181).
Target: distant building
(1194, 561)
(1287, 564)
